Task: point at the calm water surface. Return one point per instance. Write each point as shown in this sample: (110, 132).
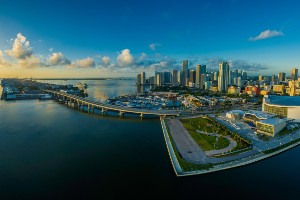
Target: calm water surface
(50, 151)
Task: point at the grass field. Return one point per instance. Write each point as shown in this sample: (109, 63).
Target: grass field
(206, 142)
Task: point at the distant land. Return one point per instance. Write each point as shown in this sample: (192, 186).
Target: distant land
(117, 78)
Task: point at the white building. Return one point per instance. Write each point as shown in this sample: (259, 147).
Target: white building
(235, 114)
(270, 126)
(284, 106)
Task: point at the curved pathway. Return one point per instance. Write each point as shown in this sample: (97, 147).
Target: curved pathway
(231, 145)
(191, 151)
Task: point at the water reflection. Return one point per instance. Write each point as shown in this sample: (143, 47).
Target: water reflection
(100, 90)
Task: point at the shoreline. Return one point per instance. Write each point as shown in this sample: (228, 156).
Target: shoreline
(216, 167)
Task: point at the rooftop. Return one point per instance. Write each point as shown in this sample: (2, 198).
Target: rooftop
(272, 121)
(259, 114)
(283, 100)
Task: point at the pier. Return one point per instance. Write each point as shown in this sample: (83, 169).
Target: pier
(79, 102)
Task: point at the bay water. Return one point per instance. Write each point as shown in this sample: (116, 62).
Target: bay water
(51, 151)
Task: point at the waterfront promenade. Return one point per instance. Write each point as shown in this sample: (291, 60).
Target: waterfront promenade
(79, 102)
(222, 163)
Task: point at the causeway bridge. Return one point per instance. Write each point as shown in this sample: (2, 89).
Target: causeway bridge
(80, 103)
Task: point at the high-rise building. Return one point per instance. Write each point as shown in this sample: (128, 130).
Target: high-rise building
(293, 88)
(216, 75)
(200, 69)
(294, 74)
(239, 82)
(202, 81)
(143, 78)
(158, 79)
(223, 78)
(181, 78)
(166, 78)
(260, 77)
(244, 75)
(174, 77)
(281, 76)
(138, 79)
(273, 78)
(185, 68)
(192, 76)
(235, 80)
(207, 85)
(152, 80)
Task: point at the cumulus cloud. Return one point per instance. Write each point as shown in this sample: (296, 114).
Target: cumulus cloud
(105, 60)
(3, 61)
(125, 58)
(160, 64)
(59, 59)
(84, 63)
(21, 48)
(266, 34)
(153, 46)
(30, 63)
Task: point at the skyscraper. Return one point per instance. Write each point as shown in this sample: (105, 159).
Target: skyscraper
(185, 68)
(143, 78)
(281, 76)
(239, 82)
(202, 81)
(181, 78)
(200, 69)
(244, 75)
(166, 77)
(158, 79)
(223, 79)
(294, 74)
(216, 75)
(174, 77)
(273, 78)
(192, 76)
(260, 77)
(138, 79)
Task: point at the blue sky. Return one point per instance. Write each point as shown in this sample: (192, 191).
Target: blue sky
(121, 38)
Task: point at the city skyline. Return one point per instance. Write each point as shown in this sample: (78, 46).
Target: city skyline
(117, 39)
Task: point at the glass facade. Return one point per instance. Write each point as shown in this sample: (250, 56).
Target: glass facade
(281, 111)
(265, 128)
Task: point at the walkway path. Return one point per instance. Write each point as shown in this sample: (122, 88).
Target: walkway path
(231, 145)
(185, 144)
(191, 151)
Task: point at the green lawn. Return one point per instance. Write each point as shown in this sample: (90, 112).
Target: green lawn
(206, 142)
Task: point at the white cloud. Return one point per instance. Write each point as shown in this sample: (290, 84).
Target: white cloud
(3, 61)
(143, 56)
(105, 60)
(125, 58)
(20, 49)
(84, 63)
(266, 34)
(153, 46)
(51, 49)
(59, 59)
(31, 62)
